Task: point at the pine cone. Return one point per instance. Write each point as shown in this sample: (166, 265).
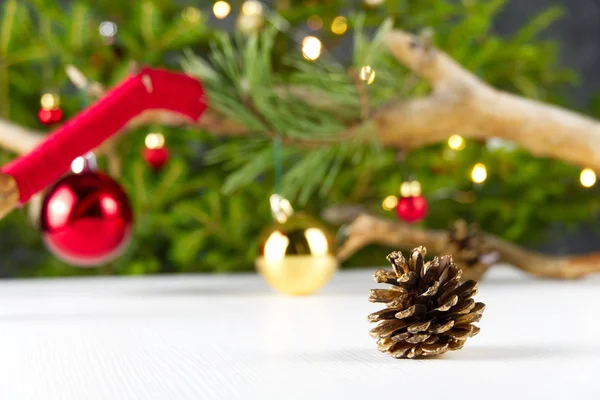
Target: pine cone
(428, 311)
(470, 250)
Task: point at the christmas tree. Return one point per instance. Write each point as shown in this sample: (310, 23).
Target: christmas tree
(328, 104)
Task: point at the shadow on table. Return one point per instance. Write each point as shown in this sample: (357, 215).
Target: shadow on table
(470, 354)
(509, 353)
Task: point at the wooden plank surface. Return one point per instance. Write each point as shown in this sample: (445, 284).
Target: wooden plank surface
(230, 337)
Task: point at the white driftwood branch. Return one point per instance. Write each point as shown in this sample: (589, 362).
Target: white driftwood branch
(461, 103)
(18, 139)
(367, 229)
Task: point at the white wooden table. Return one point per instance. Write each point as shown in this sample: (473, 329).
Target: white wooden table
(230, 337)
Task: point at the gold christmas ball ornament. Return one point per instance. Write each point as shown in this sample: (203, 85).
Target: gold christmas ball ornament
(296, 254)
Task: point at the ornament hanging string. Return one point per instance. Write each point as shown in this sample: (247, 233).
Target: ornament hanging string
(151, 89)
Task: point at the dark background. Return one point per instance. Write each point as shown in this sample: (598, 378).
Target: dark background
(578, 33)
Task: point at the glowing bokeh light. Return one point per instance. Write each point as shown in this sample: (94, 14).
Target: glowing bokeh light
(479, 173)
(456, 142)
(311, 48)
(339, 26)
(221, 9)
(587, 177)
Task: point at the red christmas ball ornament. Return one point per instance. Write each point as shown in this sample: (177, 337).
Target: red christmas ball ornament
(50, 113)
(86, 219)
(412, 209)
(156, 158)
(156, 153)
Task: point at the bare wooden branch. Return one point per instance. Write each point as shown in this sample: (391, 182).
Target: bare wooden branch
(80, 81)
(461, 103)
(367, 229)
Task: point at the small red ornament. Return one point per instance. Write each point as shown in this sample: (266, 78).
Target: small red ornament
(156, 158)
(86, 219)
(50, 113)
(156, 153)
(45, 116)
(412, 209)
(56, 115)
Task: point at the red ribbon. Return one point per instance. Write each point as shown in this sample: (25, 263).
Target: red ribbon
(151, 89)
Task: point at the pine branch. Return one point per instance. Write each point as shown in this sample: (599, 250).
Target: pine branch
(459, 103)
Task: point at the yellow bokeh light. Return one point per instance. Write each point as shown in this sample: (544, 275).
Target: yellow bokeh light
(367, 74)
(252, 8)
(191, 15)
(389, 203)
(311, 48)
(314, 22)
(339, 25)
(479, 173)
(456, 142)
(415, 188)
(49, 101)
(410, 189)
(587, 177)
(221, 9)
(154, 140)
(405, 189)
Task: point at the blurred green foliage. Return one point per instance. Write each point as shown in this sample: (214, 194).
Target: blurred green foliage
(204, 211)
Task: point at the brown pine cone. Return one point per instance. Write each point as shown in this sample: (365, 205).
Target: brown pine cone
(428, 311)
(470, 250)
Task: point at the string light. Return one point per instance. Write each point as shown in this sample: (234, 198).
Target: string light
(49, 101)
(339, 25)
(221, 9)
(456, 142)
(251, 17)
(587, 177)
(405, 189)
(389, 203)
(191, 15)
(107, 29)
(154, 140)
(314, 22)
(410, 189)
(415, 188)
(479, 173)
(367, 74)
(252, 8)
(311, 48)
